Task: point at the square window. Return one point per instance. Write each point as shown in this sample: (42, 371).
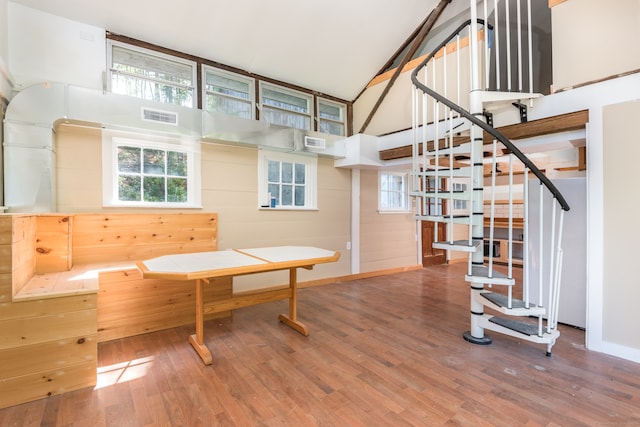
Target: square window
(140, 172)
(288, 178)
(393, 192)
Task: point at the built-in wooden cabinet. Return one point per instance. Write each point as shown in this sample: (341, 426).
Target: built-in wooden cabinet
(502, 209)
(501, 241)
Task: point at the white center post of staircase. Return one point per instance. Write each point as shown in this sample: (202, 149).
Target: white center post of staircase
(476, 334)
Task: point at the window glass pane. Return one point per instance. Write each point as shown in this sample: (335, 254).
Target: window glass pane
(153, 188)
(330, 111)
(300, 173)
(227, 86)
(286, 119)
(150, 66)
(129, 188)
(274, 189)
(154, 162)
(151, 91)
(177, 190)
(274, 171)
(176, 163)
(287, 195)
(129, 159)
(299, 199)
(396, 183)
(229, 106)
(331, 128)
(384, 183)
(393, 195)
(151, 76)
(331, 117)
(287, 172)
(229, 94)
(285, 101)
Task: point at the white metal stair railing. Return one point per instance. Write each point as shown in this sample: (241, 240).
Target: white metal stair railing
(449, 174)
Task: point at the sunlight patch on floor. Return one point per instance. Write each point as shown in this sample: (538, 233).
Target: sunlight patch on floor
(123, 372)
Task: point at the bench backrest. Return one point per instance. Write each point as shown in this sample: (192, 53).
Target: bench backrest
(113, 237)
(49, 243)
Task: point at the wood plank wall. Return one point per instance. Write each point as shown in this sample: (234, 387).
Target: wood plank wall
(6, 261)
(22, 258)
(53, 243)
(100, 238)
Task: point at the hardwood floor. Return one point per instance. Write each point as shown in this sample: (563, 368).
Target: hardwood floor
(382, 351)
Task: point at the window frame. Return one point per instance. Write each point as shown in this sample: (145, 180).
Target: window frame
(160, 55)
(207, 69)
(110, 173)
(311, 179)
(459, 206)
(405, 192)
(290, 92)
(343, 108)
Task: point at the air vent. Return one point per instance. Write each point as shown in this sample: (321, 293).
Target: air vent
(166, 117)
(312, 142)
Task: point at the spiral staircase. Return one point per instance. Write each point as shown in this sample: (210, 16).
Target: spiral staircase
(457, 153)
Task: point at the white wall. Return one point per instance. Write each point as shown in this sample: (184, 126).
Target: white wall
(621, 292)
(5, 84)
(44, 47)
(594, 39)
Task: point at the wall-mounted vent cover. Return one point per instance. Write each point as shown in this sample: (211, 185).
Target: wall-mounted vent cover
(311, 142)
(166, 117)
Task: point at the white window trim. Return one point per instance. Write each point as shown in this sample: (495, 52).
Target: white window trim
(311, 177)
(110, 142)
(405, 177)
(213, 70)
(310, 114)
(192, 64)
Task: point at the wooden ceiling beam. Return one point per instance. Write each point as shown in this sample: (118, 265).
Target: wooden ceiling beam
(550, 125)
(422, 34)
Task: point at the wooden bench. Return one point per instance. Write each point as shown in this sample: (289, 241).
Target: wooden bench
(68, 282)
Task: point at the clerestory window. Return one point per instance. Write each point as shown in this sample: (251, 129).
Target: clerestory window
(332, 117)
(228, 93)
(151, 75)
(286, 107)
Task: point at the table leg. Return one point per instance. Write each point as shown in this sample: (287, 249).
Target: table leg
(197, 340)
(291, 320)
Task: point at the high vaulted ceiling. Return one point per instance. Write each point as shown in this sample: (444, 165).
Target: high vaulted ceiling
(331, 46)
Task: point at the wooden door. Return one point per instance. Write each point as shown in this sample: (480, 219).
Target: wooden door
(431, 256)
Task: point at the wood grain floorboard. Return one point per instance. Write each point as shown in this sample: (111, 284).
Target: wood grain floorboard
(383, 351)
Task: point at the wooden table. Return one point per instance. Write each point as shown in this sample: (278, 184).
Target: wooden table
(203, 266)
